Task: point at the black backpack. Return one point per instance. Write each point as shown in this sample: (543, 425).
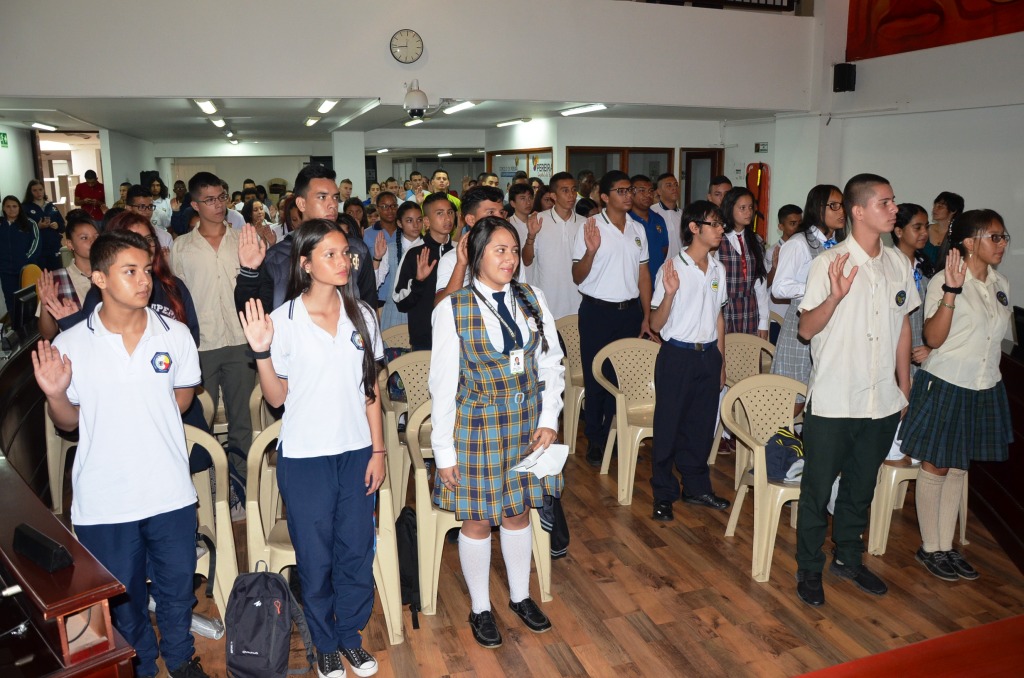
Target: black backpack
(261, 610)
(408, 562)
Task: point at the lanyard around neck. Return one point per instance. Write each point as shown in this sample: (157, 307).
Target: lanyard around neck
(511, 332)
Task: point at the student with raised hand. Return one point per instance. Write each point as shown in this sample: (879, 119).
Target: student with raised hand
(854, 313)
(130, 429)
(496, 381)
(329, 467)
(742, 253)
(65, 289)
(548, 247)
(689, 295)
(959, 411)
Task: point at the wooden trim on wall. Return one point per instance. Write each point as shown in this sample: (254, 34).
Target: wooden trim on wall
(491, 154)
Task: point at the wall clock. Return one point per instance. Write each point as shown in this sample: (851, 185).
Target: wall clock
(406, 46)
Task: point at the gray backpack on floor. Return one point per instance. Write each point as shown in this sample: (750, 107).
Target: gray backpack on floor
(259, 618)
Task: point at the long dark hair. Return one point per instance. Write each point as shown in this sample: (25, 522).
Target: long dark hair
(750, 240)
(28, 191)
(970, 224)
(161, 269)
(22, 220)
(163, 187)
(306, 239)
(356, 202)
(814, 214)
(479, 236)
(247, 209)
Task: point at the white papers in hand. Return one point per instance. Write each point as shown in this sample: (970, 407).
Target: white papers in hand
(544, 462)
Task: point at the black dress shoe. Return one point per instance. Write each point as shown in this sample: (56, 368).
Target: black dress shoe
(662, 510)
(485, 629)
(595, 453)
(710, 500)
(809, 587)
(531, 615)
(862, 577)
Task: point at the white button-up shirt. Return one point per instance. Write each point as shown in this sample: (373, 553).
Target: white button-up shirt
(551, 270)
(697, 303)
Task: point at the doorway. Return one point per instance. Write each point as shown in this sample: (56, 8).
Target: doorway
(697, 167)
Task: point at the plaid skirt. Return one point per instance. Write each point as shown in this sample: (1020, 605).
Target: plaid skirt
(741, 314)
(950, 426)
(491, 436)
(792, 356)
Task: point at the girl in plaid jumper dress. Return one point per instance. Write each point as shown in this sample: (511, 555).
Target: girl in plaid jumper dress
(958, 409)
(496, 383)
(742, 254)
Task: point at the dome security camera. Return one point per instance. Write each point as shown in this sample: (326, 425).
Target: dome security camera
(415, 101)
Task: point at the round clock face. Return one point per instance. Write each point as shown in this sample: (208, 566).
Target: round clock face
(406, 46)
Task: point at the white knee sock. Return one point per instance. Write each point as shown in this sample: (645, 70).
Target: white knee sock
(475, 556)
(949, 506)
(517, 549)
(928, 490)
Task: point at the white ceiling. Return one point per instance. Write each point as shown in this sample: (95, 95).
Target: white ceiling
(264, 120)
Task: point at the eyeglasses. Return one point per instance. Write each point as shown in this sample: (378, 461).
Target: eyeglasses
(211, 201)
(623, 192)
(143, 208)
(713, 224)
(835, 206)
(996, 237)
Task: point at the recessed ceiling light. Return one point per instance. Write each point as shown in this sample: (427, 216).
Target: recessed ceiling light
(326, 106)
(516, 121)
(446, 154)
(382, 150)
(459, 107)
(217, 122)
(45, 128)
(413, 123)
(312, 121)
(589, 108)
(206, 106)
(229, 134)
(233, 142)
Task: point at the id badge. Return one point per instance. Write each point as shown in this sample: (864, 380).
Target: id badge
(516, 361)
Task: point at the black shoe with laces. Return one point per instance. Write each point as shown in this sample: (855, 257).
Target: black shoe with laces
(711, 500)
(362, 662)
(531, 615)
(960, 566)
(862, 577)
(937, 563)
(329, 665)
(662, 510)
(190, 669)
(485, 629)
(809, 587)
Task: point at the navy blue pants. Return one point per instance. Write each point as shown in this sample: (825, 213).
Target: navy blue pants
(686, 387)
(330, 521)
(600, 326)
(168, 543)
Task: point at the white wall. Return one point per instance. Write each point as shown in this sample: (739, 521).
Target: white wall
(16, 165)
(123, 158)
(674, 134)
(236, 170)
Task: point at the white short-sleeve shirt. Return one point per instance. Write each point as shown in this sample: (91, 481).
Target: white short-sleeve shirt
(673, 218)
(696, 304)
(325, 408)
(615, 272)
(523, 231)
(551, 270)
(132, 462)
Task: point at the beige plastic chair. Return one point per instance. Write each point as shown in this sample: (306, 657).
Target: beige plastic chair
(56, 461)
(270, 542)
(745, 356)
(260, 418)
(572, 397)
(633, 363)
(774, 317)
(890, 493)
(396, 336)
(214, 516)
(432, 524)
(414, 371)
(754, 409)
(206, 401)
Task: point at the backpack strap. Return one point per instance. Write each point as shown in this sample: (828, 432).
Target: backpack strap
(299, 618)
(213, 562)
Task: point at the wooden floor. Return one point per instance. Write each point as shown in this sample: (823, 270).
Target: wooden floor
(639, 598)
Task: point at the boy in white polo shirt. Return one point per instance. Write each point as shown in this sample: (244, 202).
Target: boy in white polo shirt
(133, 374)
(855, 314)
(689, 294)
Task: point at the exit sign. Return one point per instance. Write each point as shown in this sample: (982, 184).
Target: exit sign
(3, 139)
(761, 147)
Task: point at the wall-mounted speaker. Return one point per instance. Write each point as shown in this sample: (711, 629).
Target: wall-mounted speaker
(844, 77)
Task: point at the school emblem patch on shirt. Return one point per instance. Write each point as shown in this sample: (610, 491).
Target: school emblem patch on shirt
(161, 362)
(638, 243)
(714, 284)
(357, 340)
(901, 297)
(1001, 297)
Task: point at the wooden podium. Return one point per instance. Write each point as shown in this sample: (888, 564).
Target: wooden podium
(59, 625)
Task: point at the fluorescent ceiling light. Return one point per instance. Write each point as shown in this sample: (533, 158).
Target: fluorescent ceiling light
(481, 151)
(206, 106)
(382, 150)
(45, 128)
(312, 121)
(459, 107)
(516, 121)
(326, 106)
(233, 142)
(229, 134)
(217, 122)
(590, 108)
(414, 122)
(47, 145)
(446, 154)
(370, 105)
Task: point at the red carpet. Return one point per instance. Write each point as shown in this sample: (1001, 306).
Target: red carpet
(995, 649)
